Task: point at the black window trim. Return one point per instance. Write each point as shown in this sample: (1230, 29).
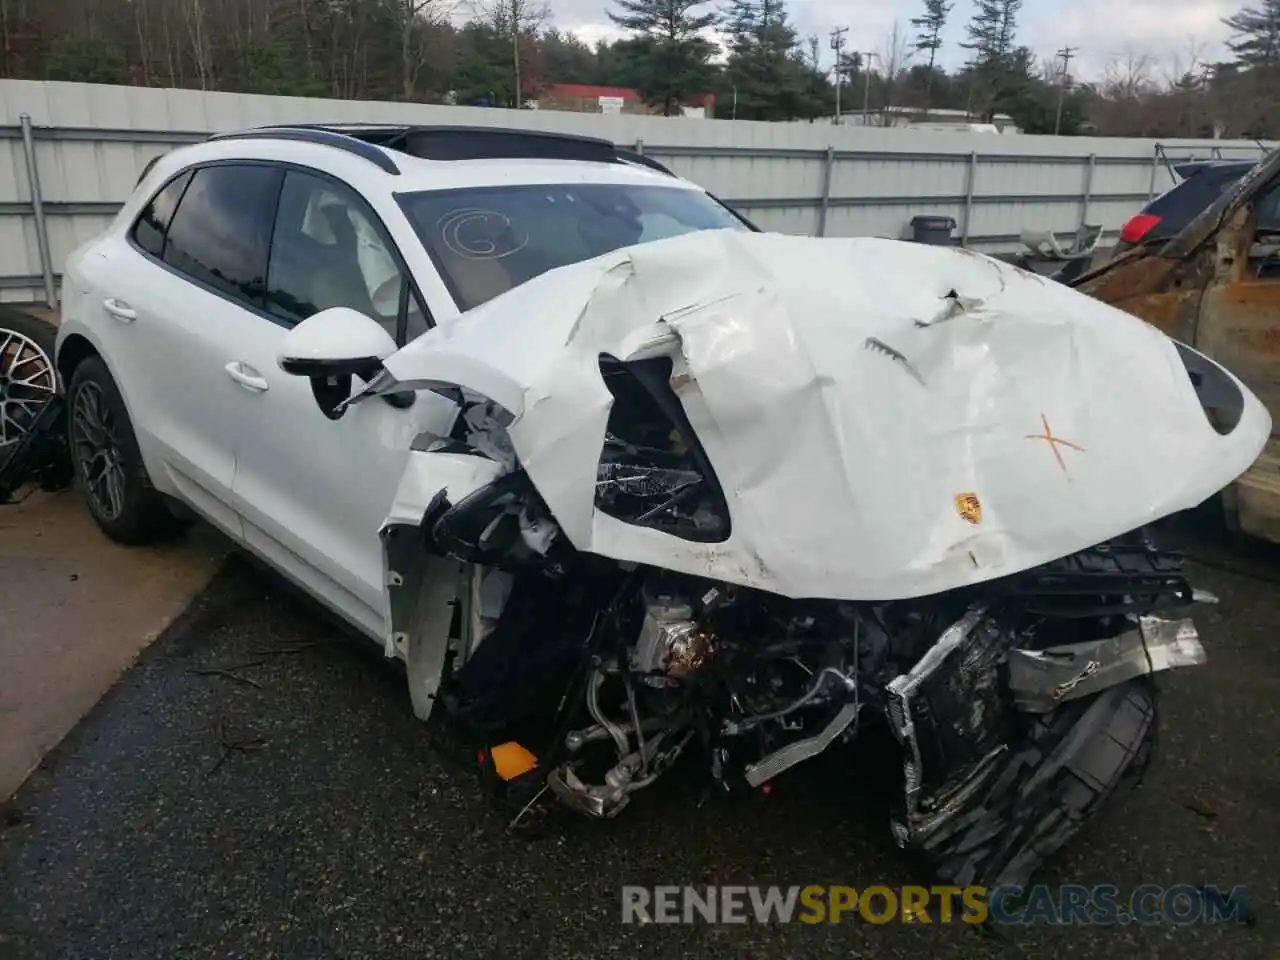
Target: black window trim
(190, 174)
(379, 224)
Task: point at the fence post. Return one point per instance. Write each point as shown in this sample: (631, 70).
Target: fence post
(640, 145)
(968, 197)
(37, 207)
(1087, 196)
(829, 163)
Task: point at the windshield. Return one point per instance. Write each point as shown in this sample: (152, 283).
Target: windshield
(486, 240)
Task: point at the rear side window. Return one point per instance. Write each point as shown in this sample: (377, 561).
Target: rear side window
(222, 229)
(1184, 202)
(149, 230)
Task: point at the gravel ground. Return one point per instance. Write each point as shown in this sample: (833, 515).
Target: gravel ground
(335, 832)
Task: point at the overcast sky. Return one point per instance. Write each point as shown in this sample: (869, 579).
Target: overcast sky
(1102, 29)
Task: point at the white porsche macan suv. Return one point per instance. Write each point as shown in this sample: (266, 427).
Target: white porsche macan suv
(656, 479)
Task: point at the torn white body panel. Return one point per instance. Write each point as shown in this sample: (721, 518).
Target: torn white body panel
(887, 420)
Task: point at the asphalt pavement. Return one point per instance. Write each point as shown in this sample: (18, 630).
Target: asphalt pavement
(292, 807)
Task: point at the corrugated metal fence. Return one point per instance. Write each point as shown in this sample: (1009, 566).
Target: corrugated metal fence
(70, 154)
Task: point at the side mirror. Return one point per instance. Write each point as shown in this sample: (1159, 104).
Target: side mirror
(331, 347)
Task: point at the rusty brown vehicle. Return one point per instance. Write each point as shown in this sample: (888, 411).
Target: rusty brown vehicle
(1216, 287)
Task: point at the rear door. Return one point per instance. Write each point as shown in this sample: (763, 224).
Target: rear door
(175, 317)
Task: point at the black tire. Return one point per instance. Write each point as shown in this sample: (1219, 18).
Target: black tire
(142, 514)
(43, 335)
(1052, 782)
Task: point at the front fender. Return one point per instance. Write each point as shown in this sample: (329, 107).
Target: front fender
(420, 588)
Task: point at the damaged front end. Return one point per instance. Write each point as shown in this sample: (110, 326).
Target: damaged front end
(729, 581)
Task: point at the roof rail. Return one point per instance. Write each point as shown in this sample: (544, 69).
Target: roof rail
(321, 135)
(448, 143)
(483, 142)
(644, 160)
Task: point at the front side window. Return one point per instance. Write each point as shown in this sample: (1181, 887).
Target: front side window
(487, 240)
(329, 250)
(150, 227)
(222, 228)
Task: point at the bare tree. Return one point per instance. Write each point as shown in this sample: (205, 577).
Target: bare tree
(1185, 63)
(415, 17)
(194, 15)
(1128, 77)
(895, 55)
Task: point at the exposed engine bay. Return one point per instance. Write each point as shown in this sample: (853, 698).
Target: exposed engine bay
(700, 505)
(622, 669)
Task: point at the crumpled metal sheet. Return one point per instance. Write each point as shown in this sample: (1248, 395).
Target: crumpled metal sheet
(1041, 680)
(887, 419)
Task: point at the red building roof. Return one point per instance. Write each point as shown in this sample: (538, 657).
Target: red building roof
(588, 91)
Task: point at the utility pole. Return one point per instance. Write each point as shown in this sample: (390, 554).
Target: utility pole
(515, 48)
(866, 56)
(1065, 55)
(837, 44)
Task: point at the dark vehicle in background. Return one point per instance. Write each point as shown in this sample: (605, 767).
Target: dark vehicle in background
(1203, 182)
(1213, 283)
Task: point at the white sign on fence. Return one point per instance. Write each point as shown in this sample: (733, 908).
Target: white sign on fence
(611, 104)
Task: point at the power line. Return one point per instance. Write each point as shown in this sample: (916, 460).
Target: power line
(1065, 55)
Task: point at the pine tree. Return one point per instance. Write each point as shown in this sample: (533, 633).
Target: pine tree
(994, 72)
(991, 31)
(930, 25)
(766, 65)
(1257, 34)
(676, 60)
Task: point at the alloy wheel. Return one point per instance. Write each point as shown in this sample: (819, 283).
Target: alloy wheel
(28, 380)
(95, 443)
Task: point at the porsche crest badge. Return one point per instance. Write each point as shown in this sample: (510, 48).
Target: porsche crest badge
(969, 507)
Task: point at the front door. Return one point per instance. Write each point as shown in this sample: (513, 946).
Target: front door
(313, 492)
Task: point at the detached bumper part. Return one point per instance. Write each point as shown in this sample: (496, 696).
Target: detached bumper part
(1041, 680)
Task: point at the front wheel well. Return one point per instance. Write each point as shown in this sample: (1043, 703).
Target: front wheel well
(74, 351)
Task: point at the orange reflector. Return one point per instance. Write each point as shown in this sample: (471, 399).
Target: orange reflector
(511, 760)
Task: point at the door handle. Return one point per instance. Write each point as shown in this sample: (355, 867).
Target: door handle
(120, 310)
(246, 376)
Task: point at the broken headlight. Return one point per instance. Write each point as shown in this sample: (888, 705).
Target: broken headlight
(653, 471)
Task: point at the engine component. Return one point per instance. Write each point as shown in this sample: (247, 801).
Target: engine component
(671, 643)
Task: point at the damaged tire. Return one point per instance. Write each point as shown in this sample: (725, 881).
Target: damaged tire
(1053, 780)
(109, 470)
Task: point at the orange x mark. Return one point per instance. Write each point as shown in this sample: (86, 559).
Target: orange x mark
(1053, 442)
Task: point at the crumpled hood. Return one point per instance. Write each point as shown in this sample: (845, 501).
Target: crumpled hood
(886, 419)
